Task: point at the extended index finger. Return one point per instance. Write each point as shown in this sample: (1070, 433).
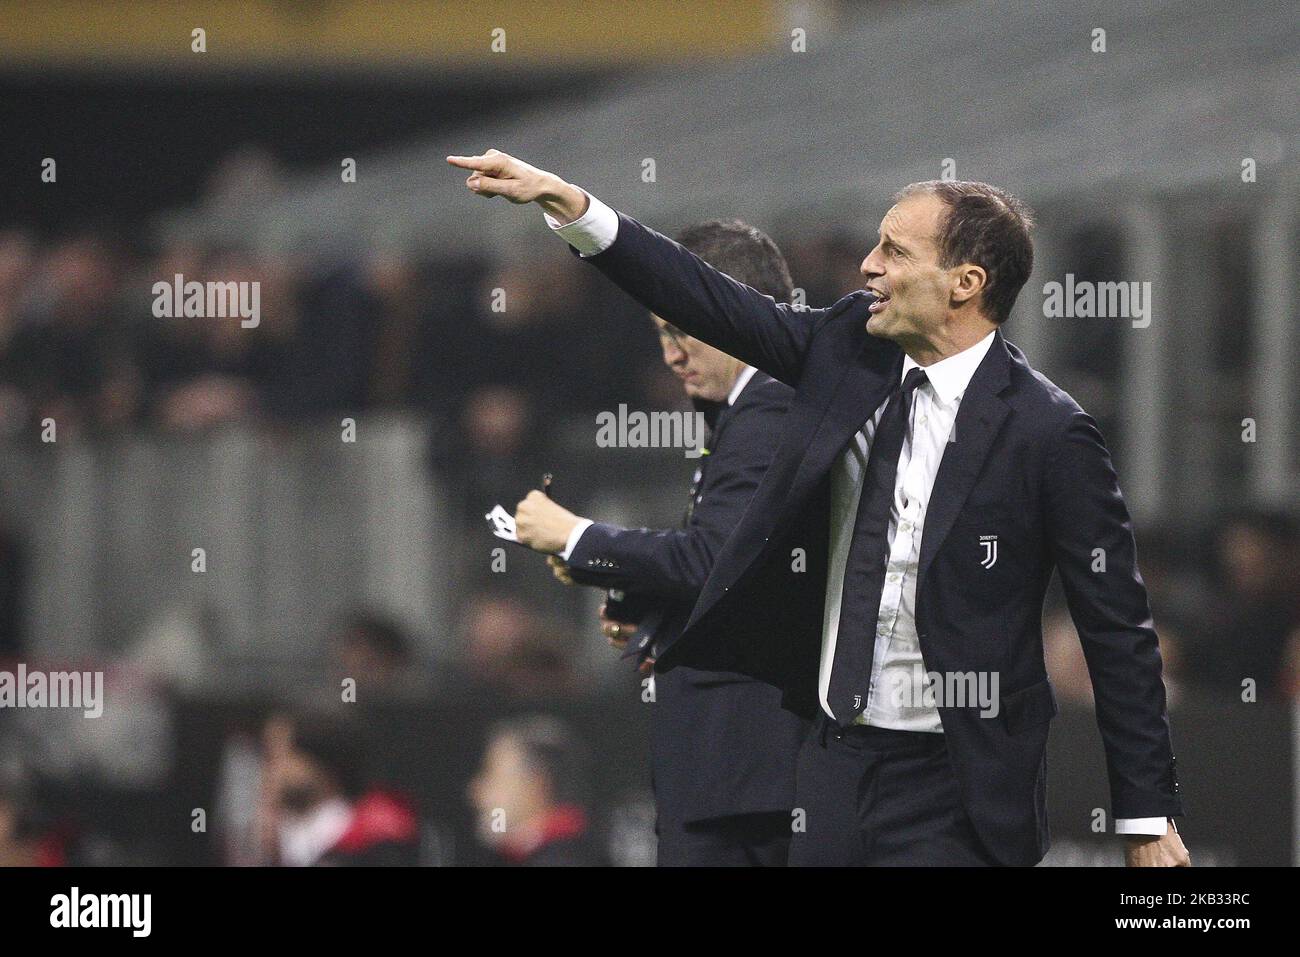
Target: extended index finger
(483, 164)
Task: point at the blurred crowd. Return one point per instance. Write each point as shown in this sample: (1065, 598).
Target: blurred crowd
(1225, 597)
(367, 759)
(80, 344)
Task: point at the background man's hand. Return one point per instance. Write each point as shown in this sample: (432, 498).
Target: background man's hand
(500, 174)
(559, 569)
(543, 524)
(617, 633)
(1152, 851)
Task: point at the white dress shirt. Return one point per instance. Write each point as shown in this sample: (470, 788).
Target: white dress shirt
(897, 656)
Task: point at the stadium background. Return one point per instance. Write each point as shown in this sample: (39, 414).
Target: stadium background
(327, 558)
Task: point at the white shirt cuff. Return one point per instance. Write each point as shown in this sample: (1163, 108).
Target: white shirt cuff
(591, 233)
(1142, 825)
(582, 526)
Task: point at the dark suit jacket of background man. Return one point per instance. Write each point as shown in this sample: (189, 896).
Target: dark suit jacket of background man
(1026, 464)
(721, 743)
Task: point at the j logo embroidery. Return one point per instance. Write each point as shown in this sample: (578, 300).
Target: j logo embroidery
(990, 545)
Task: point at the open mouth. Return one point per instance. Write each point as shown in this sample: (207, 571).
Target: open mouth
(881, 302)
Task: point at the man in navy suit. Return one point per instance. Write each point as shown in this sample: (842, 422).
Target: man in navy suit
(935, 481)
(723, 749)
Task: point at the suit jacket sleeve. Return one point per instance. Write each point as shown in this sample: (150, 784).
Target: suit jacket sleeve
(674, 563)
(683, 289)
(1086, 512)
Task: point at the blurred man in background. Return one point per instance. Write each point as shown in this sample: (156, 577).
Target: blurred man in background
(513, 651)
(531, 794)
(1254, 623)
(319, 806)
(723, 749)
(25, 839)
(371, 648)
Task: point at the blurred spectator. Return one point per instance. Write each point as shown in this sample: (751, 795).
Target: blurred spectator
(372, 649)
(1256, 608)
(69, 352)
(531, 795)
(204, 372)
(488, 451)
(325, 323)
(320, 807)
(1068, 668)
(512, 651)
(246, 175)
(23, 841)
(400, 296)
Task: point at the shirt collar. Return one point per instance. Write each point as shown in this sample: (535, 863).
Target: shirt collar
(742, 380)
(949, 377)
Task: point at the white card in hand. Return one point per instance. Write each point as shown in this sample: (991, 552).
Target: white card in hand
(503, 523)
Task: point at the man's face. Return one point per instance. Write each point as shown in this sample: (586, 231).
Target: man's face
(506, 792)
(303, 783)
(903, 269)
(705, 372)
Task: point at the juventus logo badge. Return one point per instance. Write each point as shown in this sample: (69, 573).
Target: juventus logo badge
(857, 702)
(990, 545)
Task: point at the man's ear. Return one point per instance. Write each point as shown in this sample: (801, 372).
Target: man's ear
(968, 281)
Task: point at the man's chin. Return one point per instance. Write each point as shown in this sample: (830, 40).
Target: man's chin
(877, 325)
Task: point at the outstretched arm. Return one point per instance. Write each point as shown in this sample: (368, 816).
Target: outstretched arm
(664, 277)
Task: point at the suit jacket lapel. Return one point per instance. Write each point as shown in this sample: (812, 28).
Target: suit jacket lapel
(822, 432)
(722, 416)
(979, 418)
(861, 389)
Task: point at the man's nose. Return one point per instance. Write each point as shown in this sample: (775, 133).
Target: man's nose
(871, 266)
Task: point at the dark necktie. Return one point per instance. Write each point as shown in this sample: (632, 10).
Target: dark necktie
(864, 571)
(714, 419)
(712, 412)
